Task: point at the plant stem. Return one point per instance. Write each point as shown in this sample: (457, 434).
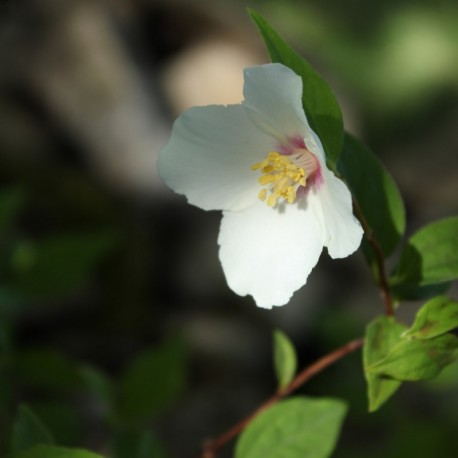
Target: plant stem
(210, 448)
(379, 261)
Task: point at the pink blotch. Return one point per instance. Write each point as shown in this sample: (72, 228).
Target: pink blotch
(297, 141)
(316, 179)
(294, 143)
(313, 181)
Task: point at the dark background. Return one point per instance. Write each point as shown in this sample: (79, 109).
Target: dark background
(116, 324)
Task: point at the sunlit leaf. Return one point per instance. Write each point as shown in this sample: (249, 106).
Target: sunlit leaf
(430, 256)
(416, 359)
(296, 428)
(375, 192)
(436, 317)
(381, 335)
(28, 430)
(285, 359)
(319, 102)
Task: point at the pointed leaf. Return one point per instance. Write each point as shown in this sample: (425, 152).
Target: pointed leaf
(430, 257)
(296, 428)
(152, 381)
(49, 451)
(62, 419)
(28, 430)
(319, 102)
(285, 359)
(97, 382)
(61, 264)
(436, 317)
(376, 193)
(416, 359)
(382, 334)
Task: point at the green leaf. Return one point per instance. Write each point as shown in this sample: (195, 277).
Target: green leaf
(62, 419)
(319, 102)
(430, 256)
(381, 335)
(296, 428)
(446, 381)
(46, 369)
(49, 451)
(136, 444)
(152, 381)
(12, 201)
(417, 292)
(285, 359)
(97, 383)
(62, 264)
(436, 317)
(376, 193)
(416, 359)
(28, 430)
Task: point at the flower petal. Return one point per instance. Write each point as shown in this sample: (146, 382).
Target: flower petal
(269, 253)
(333, 205)
(274, 93)
(343, 230)
(209, 156)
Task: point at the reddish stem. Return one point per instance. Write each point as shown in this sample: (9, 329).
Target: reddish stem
(211, 447)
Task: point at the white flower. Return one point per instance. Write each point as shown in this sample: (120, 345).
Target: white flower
(261, 163)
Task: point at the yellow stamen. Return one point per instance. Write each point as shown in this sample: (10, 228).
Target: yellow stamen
(272, 200)
(283, 175)
(262, 194)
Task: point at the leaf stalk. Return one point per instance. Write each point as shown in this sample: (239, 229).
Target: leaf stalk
(211, 447)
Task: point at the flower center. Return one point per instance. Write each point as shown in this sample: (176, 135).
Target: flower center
(282, 175)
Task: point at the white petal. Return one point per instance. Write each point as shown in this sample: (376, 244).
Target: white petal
(209, 156)
(314, 145)
(343, 230)
(269, 253)
(274, 93)
(334, 202)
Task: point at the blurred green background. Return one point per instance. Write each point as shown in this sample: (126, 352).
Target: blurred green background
(116, 326)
